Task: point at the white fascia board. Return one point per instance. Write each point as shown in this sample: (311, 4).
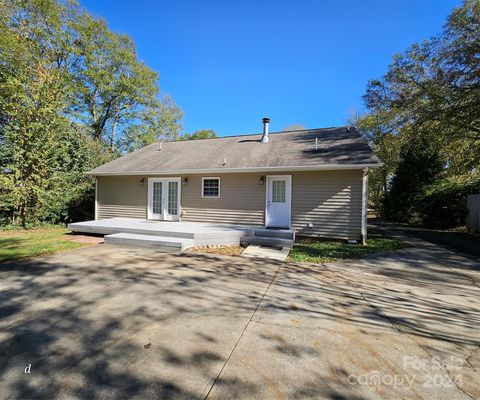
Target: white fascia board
(331, 167)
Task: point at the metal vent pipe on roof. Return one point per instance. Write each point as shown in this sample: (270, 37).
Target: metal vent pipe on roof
(266, 121)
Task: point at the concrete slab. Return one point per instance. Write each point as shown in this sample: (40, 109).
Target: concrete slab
(294, 362)
(201, 233)
(113, 322)
(158, 242)
(269, 253)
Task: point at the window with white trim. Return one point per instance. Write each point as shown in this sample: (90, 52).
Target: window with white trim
(211, 187)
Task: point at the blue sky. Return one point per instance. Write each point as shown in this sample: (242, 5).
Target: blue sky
(228, 63)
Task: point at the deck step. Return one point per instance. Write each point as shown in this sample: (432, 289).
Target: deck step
(275, 233)
(266, 241)
(158, 242)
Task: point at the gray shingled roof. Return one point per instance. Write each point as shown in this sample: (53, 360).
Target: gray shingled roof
(337, 148)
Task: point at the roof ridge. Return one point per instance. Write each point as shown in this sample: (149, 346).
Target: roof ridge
(337, 146)
(257, 134)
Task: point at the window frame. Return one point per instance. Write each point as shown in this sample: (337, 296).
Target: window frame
(203, 187)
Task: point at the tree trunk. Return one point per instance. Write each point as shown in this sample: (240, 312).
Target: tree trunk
(384, 182)
(112, 135)
(23, 215)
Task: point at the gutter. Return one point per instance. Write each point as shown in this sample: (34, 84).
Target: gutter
(328, 167)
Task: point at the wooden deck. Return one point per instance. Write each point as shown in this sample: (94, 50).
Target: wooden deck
(176, 235)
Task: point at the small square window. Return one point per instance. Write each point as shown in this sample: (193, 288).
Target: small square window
(211, 187)
(278, 191)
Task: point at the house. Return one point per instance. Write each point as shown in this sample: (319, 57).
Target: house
(312, 181)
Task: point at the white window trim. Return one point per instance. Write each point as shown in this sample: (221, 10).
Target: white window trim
(150, 214)
(219, 184)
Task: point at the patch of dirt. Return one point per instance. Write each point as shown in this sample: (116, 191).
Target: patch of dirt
(85, 239)
(218, 249)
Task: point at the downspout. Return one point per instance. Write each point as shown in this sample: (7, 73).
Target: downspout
(364, 205)
(96, 199)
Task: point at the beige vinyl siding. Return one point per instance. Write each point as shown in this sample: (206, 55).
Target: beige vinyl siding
(241, 201)
(330, 200)
(121, 196)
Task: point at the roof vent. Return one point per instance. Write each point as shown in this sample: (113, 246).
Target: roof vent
(265, 121)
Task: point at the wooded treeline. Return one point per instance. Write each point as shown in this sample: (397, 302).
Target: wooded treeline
(423, 120)
(73, 95)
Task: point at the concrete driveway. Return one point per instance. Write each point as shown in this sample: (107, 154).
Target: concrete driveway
(116, 323)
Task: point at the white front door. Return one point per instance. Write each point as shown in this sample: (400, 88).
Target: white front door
(278, 201)
(164, 198)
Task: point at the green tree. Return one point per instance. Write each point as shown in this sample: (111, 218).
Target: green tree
(114, 89)
(433, 89)
(294, 127)
(199, 134)
(428, 98)
(419, 166)
(387, 146)
(32, 98)
(71, 196)
(70, 90)
(154, 124)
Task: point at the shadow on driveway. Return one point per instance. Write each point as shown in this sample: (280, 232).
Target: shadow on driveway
(112, 322)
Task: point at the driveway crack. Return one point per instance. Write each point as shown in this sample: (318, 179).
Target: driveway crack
(242, 333)
(393, 323)
(397, 327)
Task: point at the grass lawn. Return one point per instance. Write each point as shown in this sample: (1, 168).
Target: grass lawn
(319, 251)
(15, 244)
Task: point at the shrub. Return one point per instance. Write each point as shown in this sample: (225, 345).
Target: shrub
(443, 204)
(420, 166)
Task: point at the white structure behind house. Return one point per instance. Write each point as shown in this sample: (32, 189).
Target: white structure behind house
(473, 217)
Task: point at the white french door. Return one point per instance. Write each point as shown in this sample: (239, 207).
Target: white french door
(164, 199)
(278, 201)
